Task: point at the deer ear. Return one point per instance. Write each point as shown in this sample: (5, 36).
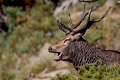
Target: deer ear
(76, 37)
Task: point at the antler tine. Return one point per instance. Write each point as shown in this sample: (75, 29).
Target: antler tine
(70, 20)
(63, 27)
(84, 8)
(60, 26)
(103, 15)
(95, 8)
(90, 11)
(84, 14)
(89, 22)
(85, 27)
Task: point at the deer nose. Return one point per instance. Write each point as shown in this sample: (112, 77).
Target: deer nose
(50, 49)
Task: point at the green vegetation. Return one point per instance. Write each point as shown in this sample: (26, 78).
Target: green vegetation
(92, 72)
(30, 29)
(26, 35)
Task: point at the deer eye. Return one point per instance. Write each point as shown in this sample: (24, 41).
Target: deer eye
(67, 40)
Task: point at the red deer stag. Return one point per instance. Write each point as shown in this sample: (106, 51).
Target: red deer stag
(75, 49)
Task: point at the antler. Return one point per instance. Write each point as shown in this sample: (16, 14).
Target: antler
(103, 15)
(74, 27)
(63, 27)
(89, 22)
(84, 14)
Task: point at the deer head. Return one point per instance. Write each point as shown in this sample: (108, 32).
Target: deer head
(72, 34)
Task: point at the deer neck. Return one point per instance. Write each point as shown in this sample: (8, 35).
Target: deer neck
(81, 52)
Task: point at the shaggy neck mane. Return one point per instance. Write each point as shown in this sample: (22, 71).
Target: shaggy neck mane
(81, 53)
(81, 49)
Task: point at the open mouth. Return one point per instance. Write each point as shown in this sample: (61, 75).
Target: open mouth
(58, 56)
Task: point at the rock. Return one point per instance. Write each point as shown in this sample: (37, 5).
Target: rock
(65, 6)
(53, 73)
(41, 59)
(41, 79)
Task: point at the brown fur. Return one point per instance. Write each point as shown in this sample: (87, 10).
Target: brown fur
(79, 52)
(75, 49)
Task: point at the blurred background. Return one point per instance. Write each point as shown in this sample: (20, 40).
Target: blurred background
(28, 28)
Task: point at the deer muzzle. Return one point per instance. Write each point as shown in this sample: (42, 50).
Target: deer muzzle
(59, 54)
